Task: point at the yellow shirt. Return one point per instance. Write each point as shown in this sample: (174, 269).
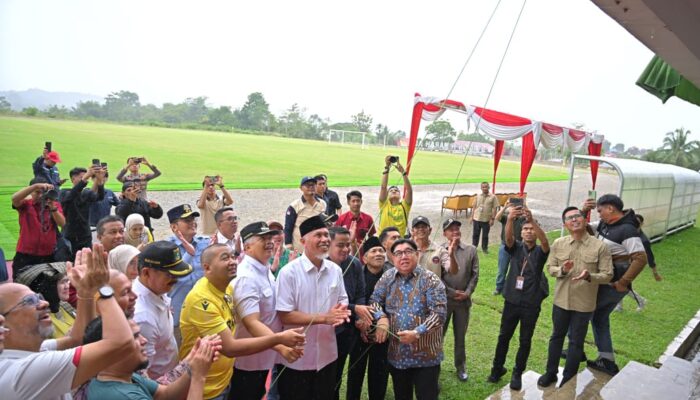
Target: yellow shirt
(394, 215)
(208, 311)
(62, 323)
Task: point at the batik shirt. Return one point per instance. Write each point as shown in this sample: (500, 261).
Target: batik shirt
(414, 302)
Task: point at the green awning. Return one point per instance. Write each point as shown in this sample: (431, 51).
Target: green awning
(663, 82)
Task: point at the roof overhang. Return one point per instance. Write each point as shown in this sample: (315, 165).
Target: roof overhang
(670, 28)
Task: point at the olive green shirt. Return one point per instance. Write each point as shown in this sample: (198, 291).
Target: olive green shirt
(588, 253)
(485, 207)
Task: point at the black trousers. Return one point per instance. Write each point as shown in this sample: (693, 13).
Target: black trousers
(424, 380)
(307, 385)
(346, 342)
(78, 244)
(477, 228)
(378, 375)
(512, 315)
(577, 324)
(247, 385)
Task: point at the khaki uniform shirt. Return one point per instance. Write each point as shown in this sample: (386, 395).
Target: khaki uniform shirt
(485, 207)
(207, 219)
(588, 253)
(435, 259)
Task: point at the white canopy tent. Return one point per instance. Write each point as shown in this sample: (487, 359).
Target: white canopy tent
(666, 195)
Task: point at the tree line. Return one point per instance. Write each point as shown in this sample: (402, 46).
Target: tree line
(195, 113)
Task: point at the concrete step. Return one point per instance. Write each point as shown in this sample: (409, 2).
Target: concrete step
(585, 386)
(676, 379)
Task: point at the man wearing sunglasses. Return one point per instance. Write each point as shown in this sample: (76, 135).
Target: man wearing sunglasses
(26, 373)
(580, 263)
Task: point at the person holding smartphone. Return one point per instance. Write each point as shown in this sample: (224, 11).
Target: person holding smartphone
(133, 165)
(45, 166)
(209, 202)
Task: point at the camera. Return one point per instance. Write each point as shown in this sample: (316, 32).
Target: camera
(137, 160)
(104, 166)
(393, 159)
(50, 194)
(96, 162)
(47, 145)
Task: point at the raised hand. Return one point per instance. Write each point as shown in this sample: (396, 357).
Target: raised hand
(90, 271)
(584, 275)
(337, 315)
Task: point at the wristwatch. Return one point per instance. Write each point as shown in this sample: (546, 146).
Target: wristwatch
(106, 292)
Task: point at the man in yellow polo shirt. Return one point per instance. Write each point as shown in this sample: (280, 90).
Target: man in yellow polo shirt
(393, 210)
(207, 310)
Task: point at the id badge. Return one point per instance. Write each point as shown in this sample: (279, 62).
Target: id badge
(519, 282)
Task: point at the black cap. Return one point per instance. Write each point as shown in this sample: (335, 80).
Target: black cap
(371, 243)
(181, 211)
(419, 220)
(311, 224)
(307, 179)
(448, 222)
(259, 228)
(165, 256)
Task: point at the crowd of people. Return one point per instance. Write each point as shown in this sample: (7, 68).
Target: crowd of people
(99, 310)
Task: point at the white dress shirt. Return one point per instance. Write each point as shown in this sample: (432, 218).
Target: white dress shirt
(255, 291)
(303, 287)
(155, 318)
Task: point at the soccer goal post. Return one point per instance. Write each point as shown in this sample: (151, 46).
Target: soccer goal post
(340, 135)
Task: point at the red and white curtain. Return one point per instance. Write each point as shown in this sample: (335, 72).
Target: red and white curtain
(502, 127)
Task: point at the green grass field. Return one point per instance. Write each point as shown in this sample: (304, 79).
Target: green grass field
(245, 161)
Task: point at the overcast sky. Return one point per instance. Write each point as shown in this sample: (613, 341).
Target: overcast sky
(568, 62)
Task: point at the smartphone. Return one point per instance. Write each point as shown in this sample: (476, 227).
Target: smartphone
(96, 161)
(516, 201)
(48, 146)
(103, 165)
(592, 194)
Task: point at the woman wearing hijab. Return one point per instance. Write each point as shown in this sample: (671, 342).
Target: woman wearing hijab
(135, 232)
(124, 258)
(51, 281)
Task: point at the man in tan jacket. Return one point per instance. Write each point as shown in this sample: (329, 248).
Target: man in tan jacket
(483, 215)
(579, 263)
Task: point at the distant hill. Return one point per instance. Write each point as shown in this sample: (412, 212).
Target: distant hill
(42, 99)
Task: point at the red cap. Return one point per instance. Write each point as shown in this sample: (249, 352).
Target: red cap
(53, 156)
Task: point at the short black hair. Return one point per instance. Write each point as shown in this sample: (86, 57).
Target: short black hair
(93, 331)
(611, 200)
(220, 214)
(566, 210)
(385, 232)
(321, 177)
(640, 218)
(404, 241)
(352, 193)
(38, 179)
(75, 171)
(110, 218)
(337, 230)
(127, 185)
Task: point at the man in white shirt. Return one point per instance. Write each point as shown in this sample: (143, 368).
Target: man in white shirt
(160, 266)
(254, 294)
(26, 373)
(311, 294)
(226, 232)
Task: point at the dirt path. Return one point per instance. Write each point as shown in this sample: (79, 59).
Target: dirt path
(546, 199)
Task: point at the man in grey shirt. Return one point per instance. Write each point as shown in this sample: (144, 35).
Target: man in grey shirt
(460, 282)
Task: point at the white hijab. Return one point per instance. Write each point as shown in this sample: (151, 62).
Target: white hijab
(120, 257)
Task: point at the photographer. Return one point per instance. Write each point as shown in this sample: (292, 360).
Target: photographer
(393, 210)
(209, 202)
(40, 215)
(133, 164)
(76, 205)
(45, 166)
(131, 203)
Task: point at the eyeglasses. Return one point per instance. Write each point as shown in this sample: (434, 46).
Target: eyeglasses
(407, 252)
(231, 219)
(572, 217)
(31, 300)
